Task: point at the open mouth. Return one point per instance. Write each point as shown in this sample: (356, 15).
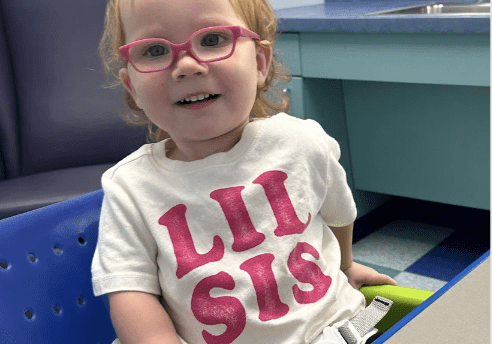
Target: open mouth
(198, 99)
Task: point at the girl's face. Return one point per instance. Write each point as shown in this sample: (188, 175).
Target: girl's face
(210, 126)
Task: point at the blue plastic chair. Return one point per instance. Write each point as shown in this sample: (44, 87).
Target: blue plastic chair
(46, 292)
(45, 279)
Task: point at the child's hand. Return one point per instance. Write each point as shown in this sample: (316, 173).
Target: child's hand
(359, 275)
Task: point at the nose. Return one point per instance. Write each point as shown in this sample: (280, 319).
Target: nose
(186, 66)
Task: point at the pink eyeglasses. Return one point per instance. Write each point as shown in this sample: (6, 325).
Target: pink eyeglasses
(206, 45)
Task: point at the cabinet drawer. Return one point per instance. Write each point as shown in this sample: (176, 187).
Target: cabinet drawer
(429, 142)
(448, 59)
(287, 52)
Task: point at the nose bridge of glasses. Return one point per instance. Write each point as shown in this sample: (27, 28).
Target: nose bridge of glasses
(187, 47)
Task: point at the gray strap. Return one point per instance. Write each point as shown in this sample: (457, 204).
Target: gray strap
(356, 328)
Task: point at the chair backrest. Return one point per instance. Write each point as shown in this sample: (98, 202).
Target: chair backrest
(45, 276)
(9, 139)
(64, 117)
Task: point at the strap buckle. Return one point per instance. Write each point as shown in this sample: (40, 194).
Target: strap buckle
(360, 328)
(331, 335)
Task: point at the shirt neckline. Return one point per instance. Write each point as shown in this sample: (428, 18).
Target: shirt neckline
(240, 148)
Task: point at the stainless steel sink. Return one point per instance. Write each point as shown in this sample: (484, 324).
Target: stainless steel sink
(436, 8)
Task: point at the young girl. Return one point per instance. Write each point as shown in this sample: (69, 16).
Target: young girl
(236, 228)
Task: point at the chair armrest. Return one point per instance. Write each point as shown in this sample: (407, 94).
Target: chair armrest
(405, 300)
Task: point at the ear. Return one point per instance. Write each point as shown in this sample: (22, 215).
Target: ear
(263, 61)
(127, 83)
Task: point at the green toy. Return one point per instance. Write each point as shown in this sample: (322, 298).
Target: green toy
(405, 300)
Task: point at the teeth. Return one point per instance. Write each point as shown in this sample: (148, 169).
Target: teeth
(195, 98)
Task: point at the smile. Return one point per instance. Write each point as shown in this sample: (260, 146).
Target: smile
(198, 99)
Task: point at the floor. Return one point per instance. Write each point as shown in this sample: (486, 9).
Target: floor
(421, 244)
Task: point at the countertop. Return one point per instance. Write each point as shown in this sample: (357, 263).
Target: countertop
(349, 16)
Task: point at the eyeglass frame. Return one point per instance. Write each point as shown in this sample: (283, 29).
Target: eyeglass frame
(237, 31)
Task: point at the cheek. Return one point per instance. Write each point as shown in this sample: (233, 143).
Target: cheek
(244, 76)
(149, 93)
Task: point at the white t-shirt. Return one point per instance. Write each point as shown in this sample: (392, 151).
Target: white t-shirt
(237, 243)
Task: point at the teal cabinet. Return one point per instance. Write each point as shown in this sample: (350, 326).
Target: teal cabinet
(428, 142)
(411, 111)
(324, 102)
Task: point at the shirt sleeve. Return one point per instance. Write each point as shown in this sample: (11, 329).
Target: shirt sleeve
(126, 252)
(338, 208)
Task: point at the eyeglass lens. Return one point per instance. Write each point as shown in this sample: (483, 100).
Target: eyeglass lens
(207, 46)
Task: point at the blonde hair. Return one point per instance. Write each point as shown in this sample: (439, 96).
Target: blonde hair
(258, 16)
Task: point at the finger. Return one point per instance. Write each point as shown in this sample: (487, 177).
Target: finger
(390, 281)
(381, 279)
(393, 282)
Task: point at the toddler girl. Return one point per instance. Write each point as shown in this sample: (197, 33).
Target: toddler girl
(234, 226)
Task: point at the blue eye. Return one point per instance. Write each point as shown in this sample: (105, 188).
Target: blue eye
(212, 40)
(156, 50)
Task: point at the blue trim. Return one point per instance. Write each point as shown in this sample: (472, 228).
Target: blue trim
(395, 328)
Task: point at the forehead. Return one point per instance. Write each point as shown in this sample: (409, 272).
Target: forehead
(178, 18)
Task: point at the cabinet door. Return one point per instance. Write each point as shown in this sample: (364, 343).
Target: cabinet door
(294, 90)
(429, 142)
(287, 53)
